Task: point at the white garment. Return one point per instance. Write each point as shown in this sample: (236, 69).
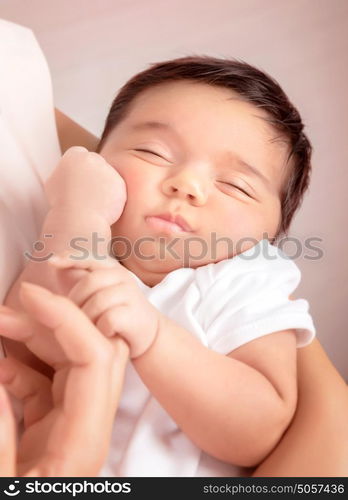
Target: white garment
(225, 305)
(29, 147)
(29, 151)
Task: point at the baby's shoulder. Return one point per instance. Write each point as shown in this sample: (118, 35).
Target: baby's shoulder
(263, 264)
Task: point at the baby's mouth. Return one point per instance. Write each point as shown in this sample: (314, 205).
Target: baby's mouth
(161, 223)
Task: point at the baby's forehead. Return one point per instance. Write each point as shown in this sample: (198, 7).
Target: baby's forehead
(180, 101)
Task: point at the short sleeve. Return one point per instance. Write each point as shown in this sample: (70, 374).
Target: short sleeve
(246, 300)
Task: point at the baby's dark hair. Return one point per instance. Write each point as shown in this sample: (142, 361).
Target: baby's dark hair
(254, 86)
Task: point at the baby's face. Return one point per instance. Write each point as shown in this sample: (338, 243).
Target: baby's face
(195, 167)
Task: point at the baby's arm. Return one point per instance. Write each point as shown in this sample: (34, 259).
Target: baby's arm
(234, 407)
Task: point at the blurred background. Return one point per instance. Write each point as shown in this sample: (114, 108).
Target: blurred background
(94, 46)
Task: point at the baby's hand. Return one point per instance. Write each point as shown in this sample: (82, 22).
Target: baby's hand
(113, 301)
(84, 180)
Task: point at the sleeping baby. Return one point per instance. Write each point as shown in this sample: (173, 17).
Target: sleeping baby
(165, 237)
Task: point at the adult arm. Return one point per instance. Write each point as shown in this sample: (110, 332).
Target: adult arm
(71, 133)
(316, 442)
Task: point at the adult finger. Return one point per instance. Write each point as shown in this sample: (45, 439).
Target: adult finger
(60, 315)
(7, 436)
(75, 446)
(20, 326)
(24, 328)
(29, 386)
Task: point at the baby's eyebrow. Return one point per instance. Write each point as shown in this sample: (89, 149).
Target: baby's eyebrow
(156, 125)
(153, 125)
(249, 168)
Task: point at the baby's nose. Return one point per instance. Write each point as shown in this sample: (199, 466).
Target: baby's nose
(186, 186)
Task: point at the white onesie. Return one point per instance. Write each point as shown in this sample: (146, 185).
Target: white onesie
(225, 305)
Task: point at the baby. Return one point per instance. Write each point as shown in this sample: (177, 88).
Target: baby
(201, 165)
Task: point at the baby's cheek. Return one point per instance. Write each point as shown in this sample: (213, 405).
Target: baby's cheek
(134, 177)
(135, 183)
(244, 223)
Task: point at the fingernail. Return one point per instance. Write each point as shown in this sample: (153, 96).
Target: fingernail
(30, 287)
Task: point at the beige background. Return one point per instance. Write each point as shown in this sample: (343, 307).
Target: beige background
(94, 46)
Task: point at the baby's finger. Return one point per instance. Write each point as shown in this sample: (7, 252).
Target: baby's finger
(69, 260)
(118, 321)
(98, 303)
(29, 386)
(95, 282)
(7, 436)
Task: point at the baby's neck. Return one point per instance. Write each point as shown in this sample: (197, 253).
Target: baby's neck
(150, 277)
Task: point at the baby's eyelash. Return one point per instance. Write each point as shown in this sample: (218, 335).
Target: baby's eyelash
(237, 187)
(228, 183)
(148, 151)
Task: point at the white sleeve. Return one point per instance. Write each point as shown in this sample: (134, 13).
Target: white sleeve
(242, 305)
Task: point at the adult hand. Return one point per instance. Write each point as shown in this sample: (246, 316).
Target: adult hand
(68, 421)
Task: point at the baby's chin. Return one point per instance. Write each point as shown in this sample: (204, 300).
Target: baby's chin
(149, 273)
(153, 266)
(159, 254)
